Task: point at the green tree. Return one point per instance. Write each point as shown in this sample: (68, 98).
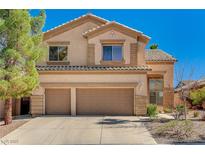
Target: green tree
(20, 48)
(154, 46)
(198, 96)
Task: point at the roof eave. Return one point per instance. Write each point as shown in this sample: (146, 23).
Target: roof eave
(87, 16)
(138, 35)
(160, 61)
(95, 71)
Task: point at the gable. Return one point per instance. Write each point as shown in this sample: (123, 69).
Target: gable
(72, 24)
(77, 44)
(112, 36)
(116, 27)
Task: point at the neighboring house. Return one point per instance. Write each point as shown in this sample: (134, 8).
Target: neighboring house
(186, 84)
(98, 67)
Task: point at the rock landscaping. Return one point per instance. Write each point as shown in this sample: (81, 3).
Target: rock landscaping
(6, 129)
(177, 132)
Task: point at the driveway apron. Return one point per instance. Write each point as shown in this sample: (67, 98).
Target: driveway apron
(80, 130)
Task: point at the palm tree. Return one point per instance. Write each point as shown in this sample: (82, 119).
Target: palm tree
(154, 46)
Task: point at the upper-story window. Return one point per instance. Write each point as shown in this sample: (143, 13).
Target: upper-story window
(112, 52)
(58, 53)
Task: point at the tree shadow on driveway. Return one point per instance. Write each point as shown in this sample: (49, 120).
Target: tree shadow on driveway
(113, 121)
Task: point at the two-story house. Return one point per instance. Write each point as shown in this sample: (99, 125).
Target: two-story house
(98, 67)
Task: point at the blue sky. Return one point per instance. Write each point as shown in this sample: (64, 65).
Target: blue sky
(181, 33)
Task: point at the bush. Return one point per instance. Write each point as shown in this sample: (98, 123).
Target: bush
(176, 129)
(196, 114)
(154, 46)
(180, 108)
(197, 96)
(180, 111)
(152, 110)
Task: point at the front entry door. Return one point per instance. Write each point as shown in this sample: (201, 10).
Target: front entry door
(25, 105)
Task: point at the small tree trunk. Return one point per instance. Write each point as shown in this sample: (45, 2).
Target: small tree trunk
(185, 110)
(8, 111)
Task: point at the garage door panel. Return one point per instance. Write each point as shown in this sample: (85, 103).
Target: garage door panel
(58, 101)
(105, 101)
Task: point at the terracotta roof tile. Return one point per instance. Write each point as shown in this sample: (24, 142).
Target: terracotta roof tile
(113, 22)
(75, 19)
(91, 68)
(158, 55)
(190, 84)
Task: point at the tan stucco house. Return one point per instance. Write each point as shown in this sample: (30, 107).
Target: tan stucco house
(98, 67)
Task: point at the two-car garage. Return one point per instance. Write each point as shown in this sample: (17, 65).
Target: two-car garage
(91, 101)
(105, 101)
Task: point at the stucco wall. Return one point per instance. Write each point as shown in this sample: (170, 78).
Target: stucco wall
(139, 79)
(77, 49)
(73, 81)
(78, 45)
(141, 53)
(165, 69)
(112, 35)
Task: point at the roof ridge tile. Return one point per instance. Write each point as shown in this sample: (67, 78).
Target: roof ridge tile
(77, 18)
(114, 22)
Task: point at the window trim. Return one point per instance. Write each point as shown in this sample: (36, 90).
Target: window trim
(156, 78)
(58, 53)
(112, 44)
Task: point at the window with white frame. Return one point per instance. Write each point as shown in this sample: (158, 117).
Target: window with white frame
(58, 53)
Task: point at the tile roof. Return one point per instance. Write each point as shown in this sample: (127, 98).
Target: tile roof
(158, 55)
(190, 85)
(78, 18)
(183, 83)
(91, 68)
(117, 23)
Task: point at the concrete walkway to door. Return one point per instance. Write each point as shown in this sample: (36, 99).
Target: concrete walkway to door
(81, 130)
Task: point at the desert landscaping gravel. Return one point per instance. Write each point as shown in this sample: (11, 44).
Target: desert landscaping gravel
(198, 136)
(6, 129)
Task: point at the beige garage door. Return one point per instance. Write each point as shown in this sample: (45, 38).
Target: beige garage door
(105, 101)
(58, 101)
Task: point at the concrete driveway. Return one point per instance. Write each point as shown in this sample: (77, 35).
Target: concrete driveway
(80, 130)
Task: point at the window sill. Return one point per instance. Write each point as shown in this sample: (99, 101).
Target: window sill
(58, 62)
(112, 63)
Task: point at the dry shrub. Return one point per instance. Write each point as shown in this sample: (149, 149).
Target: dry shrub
(196, 114)
(176, 129)
(167, 110)
(179, 111)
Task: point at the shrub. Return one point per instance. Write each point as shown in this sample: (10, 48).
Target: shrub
(154, 46)
(176, 129)
(196, 114)
(180, 108)
(179, 111)
(152, 110)
(197, 96)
